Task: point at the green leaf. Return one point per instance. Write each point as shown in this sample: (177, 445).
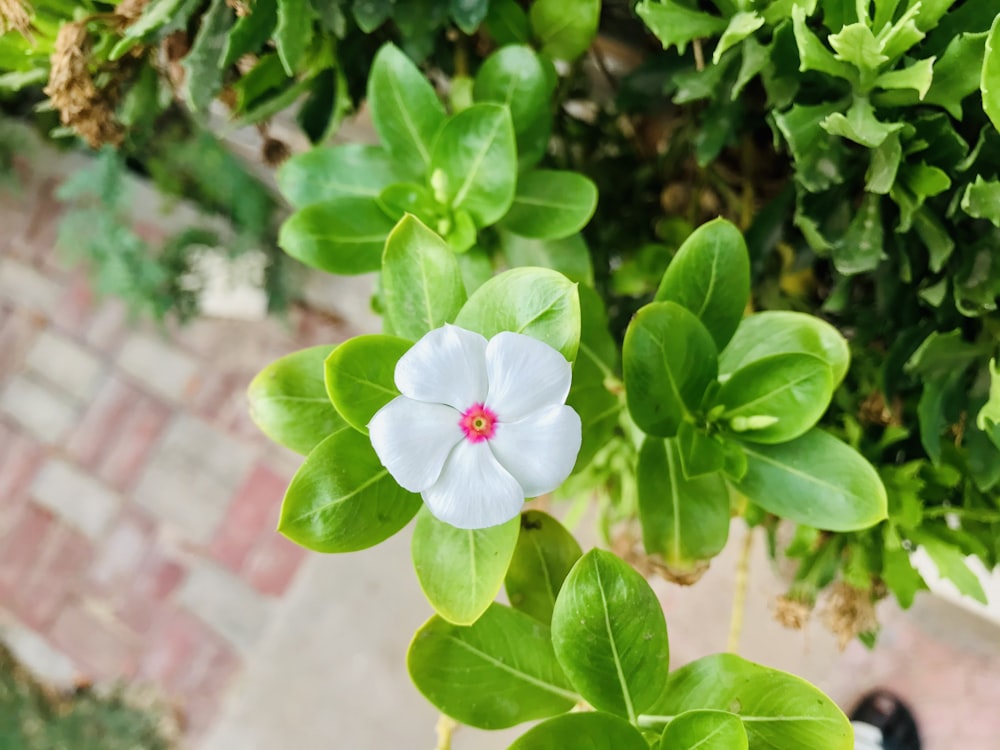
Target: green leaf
(250, 32)
(343, 235)
(403, 198)
(288, 400)
(370, 14)
(159, 18)
(474, 162)
(406, 111)
(951, 564)
(684, 521)
(705, 729)
(989, 415)
(461, 570)
(507, 23)
(814, 480)
(710, 276)
(861, 248)
(700, 453)
(610, 636)
(551, 204)
(781, 332)
(669, 360)
(543, 557)
(917, 77)
(778, 709)
(514, 76)
(537, 302)
(422, 285)
(565, 30)
(468, 14)
(322, 174)
(492, 675)
(881, 174)
(860, 124)
(793, 390)
(856, 44)
(591, 731)
(741, 25)
(935, 237)
(990, 80)
(360, 375)
(569, 256)
(897, 571)
(342, 500)
(813, 55)
(818, 157)
(202, 65)
(675, 24)
(958, 73)
(293, 33)
(981, 200)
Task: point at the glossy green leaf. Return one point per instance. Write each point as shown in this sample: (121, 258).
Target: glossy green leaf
(856, 44)
(610, 636)
(370, 14)
(322, 174)
(474, 162)
(497, 673)
(507, 23)
(569, 256)
(917, 77)
(815, 480)
(818, 156)
(741, 25)
(202, 64)
(989, 414)
(551, 204)
(543, 557)
(461, 570)
(778, 709)
(710, 276)
(860, 124)
(403, 198)
(514, 76)
(675, 24)
(468, 14)
(884, 165)
(592, 730)
(250, 32)
(684, 521)
(990, 79)
(861, 248)
(342, 499)
(813, 54)
(289, 403)
(565, 30)
(958, 73)
(669, 360)
(360, 376)
(343, 235)
(781, 332)
(700, 453)
(705, 729)
(406, 111)
(422, 285)
(981, 200)
(793, 390)
(534, 301)
(294, 33)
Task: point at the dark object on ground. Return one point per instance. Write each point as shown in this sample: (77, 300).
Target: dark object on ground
(883, 710)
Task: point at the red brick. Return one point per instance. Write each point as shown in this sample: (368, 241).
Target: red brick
(252, 516)
(274, 564)
(130, 449)
(108, 326)
(20, 458)
(21, 546)
(103, 422)
(122, 552)
(17, 334)
(147, 598)
(57, 569)
(101, 649)
(202, 702)
(182, 654)
(76, 306)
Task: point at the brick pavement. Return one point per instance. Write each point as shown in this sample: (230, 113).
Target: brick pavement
(137, 500)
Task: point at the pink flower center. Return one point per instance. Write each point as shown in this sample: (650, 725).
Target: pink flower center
(478, 423)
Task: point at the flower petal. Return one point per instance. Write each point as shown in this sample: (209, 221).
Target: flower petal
(413, 439)
(446, 366)
(525, 375)
(474, 491)
(540, 450)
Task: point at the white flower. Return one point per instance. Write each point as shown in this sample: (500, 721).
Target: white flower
(479, 426)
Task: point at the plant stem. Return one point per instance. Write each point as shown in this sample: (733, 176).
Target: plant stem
(740, 593)
(446, 726)
(972, 514)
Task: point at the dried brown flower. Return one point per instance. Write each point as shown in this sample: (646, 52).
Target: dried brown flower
(792, 613)
(241, 7)
(15, 15)
(130, 10)
(275, 152)
(848, 612)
